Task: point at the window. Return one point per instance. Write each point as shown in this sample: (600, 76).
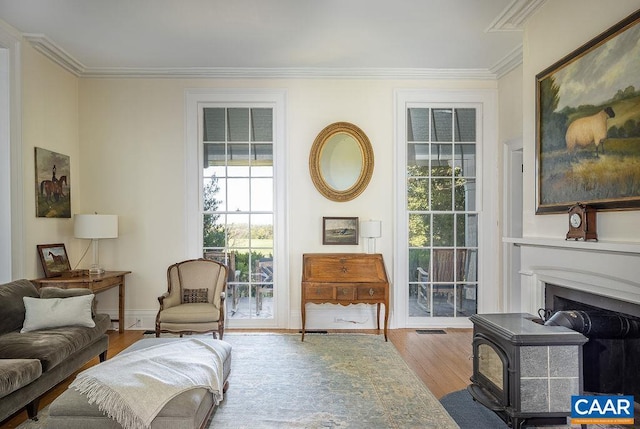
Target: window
(448, 252)
(442, 213)
(238, 197)
(238, 217)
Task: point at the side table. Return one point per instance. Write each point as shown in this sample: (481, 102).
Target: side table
(96, 283)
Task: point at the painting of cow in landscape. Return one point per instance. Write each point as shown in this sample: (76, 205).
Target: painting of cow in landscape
(53, 193)
(588, 124)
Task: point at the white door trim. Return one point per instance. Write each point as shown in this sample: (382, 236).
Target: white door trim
(512, 192)
(12, 254)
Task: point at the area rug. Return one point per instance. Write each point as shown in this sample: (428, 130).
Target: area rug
(327, 381)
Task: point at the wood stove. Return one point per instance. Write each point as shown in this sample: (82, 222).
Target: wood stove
(524, 371)
(610, 358)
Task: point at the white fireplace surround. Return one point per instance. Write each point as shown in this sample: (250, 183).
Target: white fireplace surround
(601, 268)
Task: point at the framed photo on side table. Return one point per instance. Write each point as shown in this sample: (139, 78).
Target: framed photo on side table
(54, 259)
(340, 230)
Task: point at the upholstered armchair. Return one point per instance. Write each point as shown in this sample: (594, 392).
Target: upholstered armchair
(194, 302)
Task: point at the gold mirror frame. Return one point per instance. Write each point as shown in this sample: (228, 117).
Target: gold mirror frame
(315, 157)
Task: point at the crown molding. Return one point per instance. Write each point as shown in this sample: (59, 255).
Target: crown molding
(57, 54)
(289, 73)
(513, 16)
(508, 63)
(9, 31)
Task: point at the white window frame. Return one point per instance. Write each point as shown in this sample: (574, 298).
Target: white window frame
(487, 201)
(276, 99)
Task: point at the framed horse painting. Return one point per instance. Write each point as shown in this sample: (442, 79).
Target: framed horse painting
(53, 194)
(54, 259)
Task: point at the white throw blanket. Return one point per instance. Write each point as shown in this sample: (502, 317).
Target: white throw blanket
(132, 388)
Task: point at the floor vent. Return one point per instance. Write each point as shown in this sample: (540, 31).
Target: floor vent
(313, 332)
(430, 331)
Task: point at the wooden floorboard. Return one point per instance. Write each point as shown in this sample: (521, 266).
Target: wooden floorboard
(442, 361)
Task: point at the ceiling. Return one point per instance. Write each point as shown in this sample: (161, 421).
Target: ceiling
(295, 37)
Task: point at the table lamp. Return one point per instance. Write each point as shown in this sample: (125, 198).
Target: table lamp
(371, 229)
(95, 227)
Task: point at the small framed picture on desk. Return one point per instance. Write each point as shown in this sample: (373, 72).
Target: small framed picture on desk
(54, 259)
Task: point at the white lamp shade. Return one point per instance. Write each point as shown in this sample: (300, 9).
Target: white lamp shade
(370, 228)
(95, 226)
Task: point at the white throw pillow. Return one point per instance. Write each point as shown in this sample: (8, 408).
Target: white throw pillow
(57, 312)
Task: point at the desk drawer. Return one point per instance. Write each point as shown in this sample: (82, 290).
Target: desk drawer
(100, 285)
(318, 292)
(345, 293)
(376, 293)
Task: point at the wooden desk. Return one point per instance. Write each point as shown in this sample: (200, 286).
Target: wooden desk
(97, 284)
(345, 278)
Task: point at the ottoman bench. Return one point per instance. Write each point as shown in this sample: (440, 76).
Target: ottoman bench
(189, 410)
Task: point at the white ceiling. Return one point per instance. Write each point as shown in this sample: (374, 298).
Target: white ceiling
(93, 37)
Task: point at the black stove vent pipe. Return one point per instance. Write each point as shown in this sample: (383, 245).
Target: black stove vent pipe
(596, 324)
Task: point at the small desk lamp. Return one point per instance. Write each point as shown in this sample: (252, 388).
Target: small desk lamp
(371, 229)
(95, 227)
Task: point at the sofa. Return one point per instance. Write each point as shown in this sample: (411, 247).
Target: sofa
(45, 336)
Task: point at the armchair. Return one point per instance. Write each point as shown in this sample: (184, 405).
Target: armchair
(194, 301)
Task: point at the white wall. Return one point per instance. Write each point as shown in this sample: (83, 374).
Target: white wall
(132, 143)
(510, 101)
(557, 29)
(50, 121)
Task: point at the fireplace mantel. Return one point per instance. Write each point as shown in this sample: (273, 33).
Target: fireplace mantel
(603, 268)
(586, 246)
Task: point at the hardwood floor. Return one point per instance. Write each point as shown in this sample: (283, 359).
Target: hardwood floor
(442, 361)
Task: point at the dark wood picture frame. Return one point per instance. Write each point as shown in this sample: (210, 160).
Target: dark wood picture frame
(54, 259)
(594, 86)
(52, 184)
(340, 230)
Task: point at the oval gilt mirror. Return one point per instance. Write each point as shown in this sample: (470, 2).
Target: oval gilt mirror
(341, 161)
